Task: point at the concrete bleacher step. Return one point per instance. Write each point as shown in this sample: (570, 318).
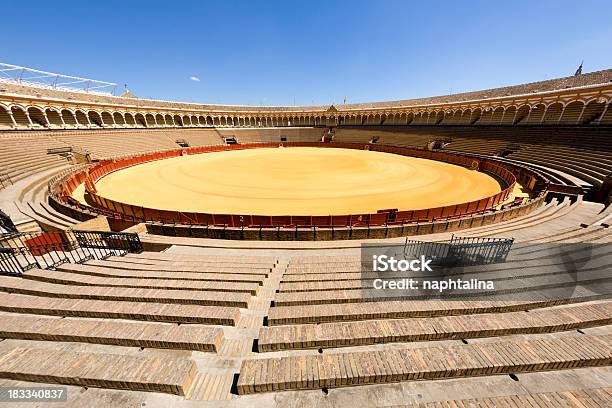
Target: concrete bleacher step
(546, 217)
(396, 309)
(544, 230)
(38, 203)
(555, 176)
(578, 157)
(47, 209)
(539, 213)
(314, 260)
(345, 334)
(155, 374)
(586, 213)
(427, 363)
(580, 235)
(592, 267)
(531, 259)
(599, 275)
(68, 278)
(128, 334)
(32, 162)
(552, 253)
(603, 240)
(579, 172)
(48, 223)
(12, 160)
(324, 272)
(168, 256)
(29, 225)
(92, 268)
(572, 160)
(155, 312)
(290, 292)
(21, 196)
(45, 223)
(43, 216)
(582, 398)
(237, 263)
(604, 216)
(186, 297)
(134, 264)
(22, 173)
(35, 197)
(520, 252)
(523, 259)
(211, 387)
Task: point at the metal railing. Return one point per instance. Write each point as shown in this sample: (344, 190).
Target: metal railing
(461, 251)
(20, 252)
(36, 77)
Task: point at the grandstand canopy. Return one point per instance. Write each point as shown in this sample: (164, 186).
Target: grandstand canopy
(35, 77)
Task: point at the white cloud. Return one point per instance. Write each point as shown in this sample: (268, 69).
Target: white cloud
(194, 78)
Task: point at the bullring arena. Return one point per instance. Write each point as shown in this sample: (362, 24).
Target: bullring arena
(298, 181)
(159, 253)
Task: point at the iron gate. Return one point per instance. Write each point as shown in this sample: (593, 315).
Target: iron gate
(461, 251)
(20, 252)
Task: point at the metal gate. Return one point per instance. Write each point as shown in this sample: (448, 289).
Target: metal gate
(461, 251)
(20, 252)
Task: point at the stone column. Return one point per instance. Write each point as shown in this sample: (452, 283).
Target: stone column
(10, 113)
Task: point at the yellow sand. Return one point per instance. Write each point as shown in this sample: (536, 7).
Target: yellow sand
(295, 181)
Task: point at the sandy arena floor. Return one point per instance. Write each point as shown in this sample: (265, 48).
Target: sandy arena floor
(295, 181)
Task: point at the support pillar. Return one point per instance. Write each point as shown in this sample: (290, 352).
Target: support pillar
(62, 119)
(603, 113)
(560, 116)
(581, 113)
(10, 113)
(29, 119)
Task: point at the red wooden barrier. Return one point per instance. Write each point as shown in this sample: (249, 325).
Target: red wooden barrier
(236, 220)
(48, 242)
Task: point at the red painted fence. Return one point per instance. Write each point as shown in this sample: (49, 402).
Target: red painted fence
(130, 212)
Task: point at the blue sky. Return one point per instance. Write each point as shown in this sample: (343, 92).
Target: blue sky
(305, 52)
